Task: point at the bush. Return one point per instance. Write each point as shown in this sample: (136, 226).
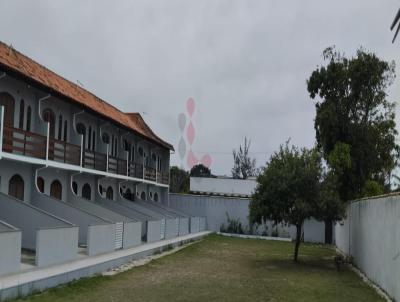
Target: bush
(234, 226)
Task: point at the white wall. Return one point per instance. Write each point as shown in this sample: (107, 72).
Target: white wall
(371, 235)
(225, 186)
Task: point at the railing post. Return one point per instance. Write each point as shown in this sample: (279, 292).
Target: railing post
(108, 145)
(48, 141)
(127, 163)
(81, 161)
(1, 130)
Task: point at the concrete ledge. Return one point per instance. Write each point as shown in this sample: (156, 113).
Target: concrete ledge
(22, 284)
(255, 237)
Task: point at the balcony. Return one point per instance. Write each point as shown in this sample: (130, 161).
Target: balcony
(20, 142)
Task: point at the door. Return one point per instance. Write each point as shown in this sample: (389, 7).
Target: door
(87, 192)
(16, 187)
(56, 190)
(119, 234)
(110, 193)
(8, 102)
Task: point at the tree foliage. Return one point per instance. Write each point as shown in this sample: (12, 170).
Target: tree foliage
(243, 166)
(179, 180)
(355, 123)
(288, 189)
(200, 171)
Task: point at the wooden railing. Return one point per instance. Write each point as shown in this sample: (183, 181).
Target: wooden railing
(24, 143)
(135, 170)
(150, 174)
(117, 165)
(94, 160)
(64, 152)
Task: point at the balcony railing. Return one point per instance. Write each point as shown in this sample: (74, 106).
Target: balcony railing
(24, 143)
(30, 144)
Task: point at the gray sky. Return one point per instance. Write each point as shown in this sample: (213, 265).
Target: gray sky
(244, 62)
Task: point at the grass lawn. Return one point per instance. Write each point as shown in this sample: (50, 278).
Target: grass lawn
(225, 269)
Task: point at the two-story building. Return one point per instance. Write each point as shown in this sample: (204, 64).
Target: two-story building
(66, 154)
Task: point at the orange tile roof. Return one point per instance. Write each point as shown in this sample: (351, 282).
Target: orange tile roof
(21, 65)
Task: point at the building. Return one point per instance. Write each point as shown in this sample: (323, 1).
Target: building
(77, 175)
(223, 186)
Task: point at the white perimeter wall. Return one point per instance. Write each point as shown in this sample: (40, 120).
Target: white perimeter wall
(215, 209)
(226, 186)
(371, 235)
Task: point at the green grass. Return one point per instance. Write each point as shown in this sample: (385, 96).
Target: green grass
(225, 269)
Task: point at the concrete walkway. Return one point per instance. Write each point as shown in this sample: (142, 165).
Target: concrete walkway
(39, 279)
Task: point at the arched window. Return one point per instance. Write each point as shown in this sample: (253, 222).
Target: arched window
(29, 119)
(65, 130)
(94, 141)
(156, 197)
(75, 187)
(89, 137)
(56, 189)
(132, 155)
(112, 145)
(141, 152)
(48, 116)
(21, 114)
(110, 193)
(115, 147)
(60, 125)
(40, 184)
(87, 191)
(143, 196)
(16, 187)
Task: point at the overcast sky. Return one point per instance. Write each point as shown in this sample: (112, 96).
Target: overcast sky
(245, 63)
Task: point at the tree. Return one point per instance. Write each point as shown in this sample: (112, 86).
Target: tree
(288, 189)
(355, 123)
(179, 180)
(330, 207)
(200, 171)
(243, 165)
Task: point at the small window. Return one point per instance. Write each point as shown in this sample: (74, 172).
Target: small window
(115, 147)
(89, 137)
(101, 189)
(154, 157)
(151, 195)
(21, 114)
(127, 146)
(141, 153)
(143, 196)
(87, 191)
(110, 193)
(65, 130)
(56, 189)
(75, 187)
(94, 141)
(40, 184)
(156, 197)
(29, 119)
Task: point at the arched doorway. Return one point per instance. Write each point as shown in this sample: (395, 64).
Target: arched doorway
(110, 193)
(48, 117)
(16, 187)
(40, 184)
(143, 196)
(8, 102)
(128, 194)
(155, 197)
(87, 191)
(56, 190)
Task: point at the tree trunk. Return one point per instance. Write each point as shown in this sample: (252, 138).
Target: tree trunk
(298, 241)
(328, 231)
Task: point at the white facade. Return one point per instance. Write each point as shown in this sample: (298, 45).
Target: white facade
(223, 186)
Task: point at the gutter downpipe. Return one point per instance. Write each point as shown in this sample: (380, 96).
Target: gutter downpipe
(2, 122)
(48, 126)
(74, 126)
(1, 130)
